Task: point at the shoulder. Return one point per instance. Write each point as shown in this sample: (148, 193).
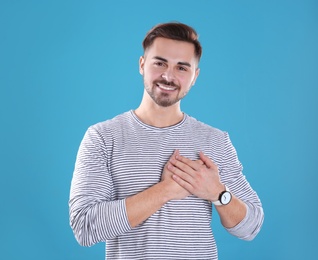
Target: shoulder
(114, 123)
(204, 128)
(108, 129)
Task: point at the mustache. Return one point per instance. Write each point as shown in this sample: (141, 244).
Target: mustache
(165, 82)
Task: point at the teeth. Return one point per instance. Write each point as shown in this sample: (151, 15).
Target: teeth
(166, 88)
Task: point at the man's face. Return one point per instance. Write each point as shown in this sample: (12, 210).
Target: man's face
(169, 69)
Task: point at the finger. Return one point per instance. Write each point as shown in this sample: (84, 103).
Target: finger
(172, 157)
(199, 161)
(182, 167)
(206, 160)
(184, 184)
(183, 171)
(195, 165)
(175, 152)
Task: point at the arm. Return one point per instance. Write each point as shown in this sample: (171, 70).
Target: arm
(243, 216)
(95, 215)
(204, 182)
(142, 205)
(231, 174)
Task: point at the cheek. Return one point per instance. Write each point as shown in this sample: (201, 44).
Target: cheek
(186, 81)
(152, 73)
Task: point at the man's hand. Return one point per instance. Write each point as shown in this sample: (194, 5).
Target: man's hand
(175, 191)
(200, 178)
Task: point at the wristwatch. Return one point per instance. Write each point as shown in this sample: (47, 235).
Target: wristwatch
(224, 197)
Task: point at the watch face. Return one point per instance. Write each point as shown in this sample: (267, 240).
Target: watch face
(226, 198)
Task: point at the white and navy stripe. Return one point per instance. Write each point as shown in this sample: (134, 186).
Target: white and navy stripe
(123, 156)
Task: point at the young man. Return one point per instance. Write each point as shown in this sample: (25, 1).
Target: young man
(145, 181)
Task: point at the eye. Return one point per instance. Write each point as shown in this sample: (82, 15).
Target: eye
(181, 68)
(159, 63)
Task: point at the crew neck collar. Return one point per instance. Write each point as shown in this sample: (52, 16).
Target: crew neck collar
(158, 128)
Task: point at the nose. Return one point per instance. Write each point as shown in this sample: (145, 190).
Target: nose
(168, 75)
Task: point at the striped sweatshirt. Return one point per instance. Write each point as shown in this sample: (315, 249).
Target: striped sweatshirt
(123, 156)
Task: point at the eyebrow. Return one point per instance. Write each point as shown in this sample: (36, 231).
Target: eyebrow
(180, 62)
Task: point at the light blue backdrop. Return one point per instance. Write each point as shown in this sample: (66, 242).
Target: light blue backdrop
(65, 65)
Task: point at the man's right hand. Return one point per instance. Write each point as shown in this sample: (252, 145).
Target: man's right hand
(143, 204)
(174, 190)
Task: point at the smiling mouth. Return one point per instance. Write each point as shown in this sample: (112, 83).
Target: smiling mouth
(165, 87)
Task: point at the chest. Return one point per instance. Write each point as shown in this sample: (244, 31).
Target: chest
(136, 161)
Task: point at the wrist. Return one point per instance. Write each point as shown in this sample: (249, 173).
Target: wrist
(224, 197)
(164, 192)
(217, 191)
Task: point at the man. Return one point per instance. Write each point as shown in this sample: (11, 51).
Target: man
(145, 181)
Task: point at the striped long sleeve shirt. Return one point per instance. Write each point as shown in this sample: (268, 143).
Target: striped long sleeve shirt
(123, 156)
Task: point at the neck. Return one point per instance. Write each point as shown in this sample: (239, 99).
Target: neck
(152, 114)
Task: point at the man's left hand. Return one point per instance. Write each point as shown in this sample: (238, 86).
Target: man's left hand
(201, 177)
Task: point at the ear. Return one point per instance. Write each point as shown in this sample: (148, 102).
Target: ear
(141, 65)
(197, 72)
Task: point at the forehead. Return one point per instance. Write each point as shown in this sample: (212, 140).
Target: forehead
(172, 50)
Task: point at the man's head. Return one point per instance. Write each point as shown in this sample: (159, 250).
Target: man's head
(174, 31)
(170, 63)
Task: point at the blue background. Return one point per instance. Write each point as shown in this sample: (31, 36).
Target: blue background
(65, 65)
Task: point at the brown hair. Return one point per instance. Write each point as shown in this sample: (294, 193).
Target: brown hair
(174, 31)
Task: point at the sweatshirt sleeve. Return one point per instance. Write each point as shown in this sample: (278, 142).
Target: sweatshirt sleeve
(232, 176)
(95, 215)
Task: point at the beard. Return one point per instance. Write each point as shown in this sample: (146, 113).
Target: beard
(163, 99)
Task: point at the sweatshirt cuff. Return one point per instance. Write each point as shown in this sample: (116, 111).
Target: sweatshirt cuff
(248, 228)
